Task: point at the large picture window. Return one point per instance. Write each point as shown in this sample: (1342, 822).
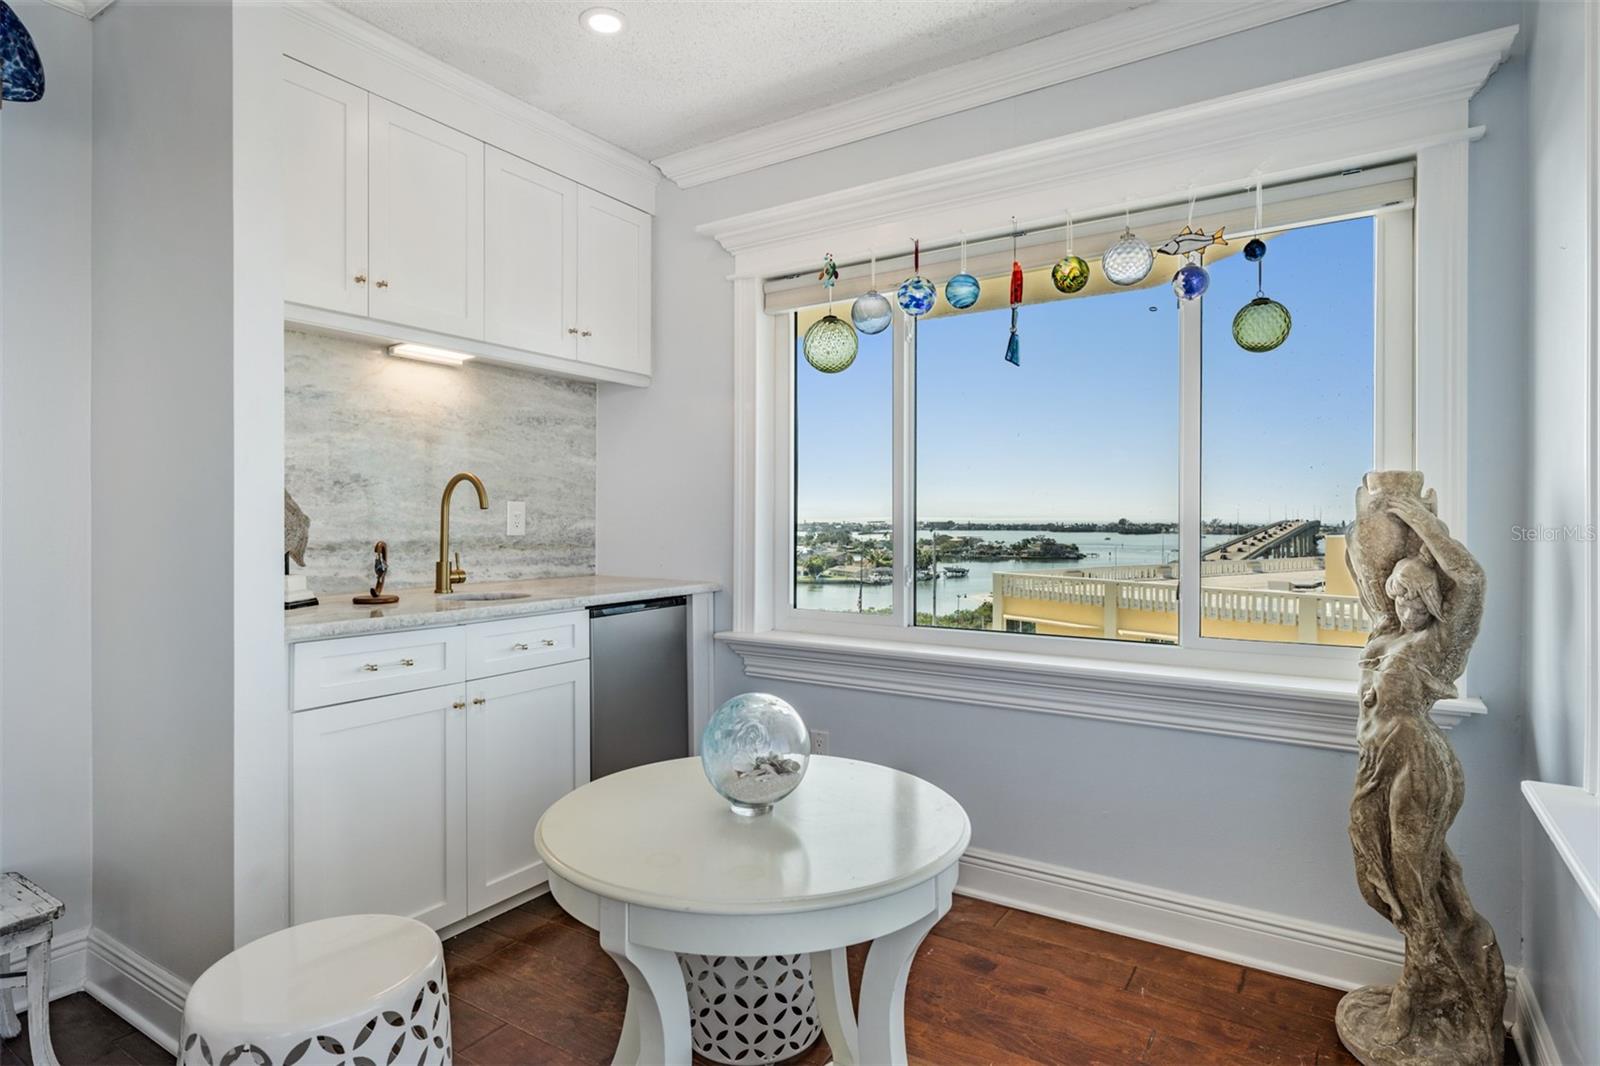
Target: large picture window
(1139, 477)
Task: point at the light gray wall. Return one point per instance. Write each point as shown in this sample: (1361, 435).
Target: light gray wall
(1562, 948)
(45, 773)
(371, 440)
(1250, 823)
(162, 487)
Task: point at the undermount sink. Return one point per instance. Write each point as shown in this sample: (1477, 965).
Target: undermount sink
(479, 597)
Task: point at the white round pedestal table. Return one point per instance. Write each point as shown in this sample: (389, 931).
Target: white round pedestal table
(656, 861)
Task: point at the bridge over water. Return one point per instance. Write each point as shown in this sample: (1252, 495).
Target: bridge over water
(1293, 537)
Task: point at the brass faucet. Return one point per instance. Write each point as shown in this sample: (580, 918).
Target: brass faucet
(446, 576)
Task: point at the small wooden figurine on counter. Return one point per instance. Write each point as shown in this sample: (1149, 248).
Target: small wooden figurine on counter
(380, 568)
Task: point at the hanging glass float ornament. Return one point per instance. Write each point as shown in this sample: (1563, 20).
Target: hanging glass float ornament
(1071, 272)
(1129, 260)
(962, 290)
(872, 310)
(917, 294)
(1191, 280)
(1014, 342)
(21, 70)
(1262, 324)
(830, 343)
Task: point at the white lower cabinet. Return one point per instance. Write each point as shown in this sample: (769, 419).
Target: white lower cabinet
(424, 803)
(527, 746)
(380, 808)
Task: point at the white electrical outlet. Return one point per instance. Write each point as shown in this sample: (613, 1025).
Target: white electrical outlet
(516, 518)
(819, 742)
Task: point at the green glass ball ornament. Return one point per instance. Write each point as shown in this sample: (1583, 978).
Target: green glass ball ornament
(1070, 274)
(830, 344)
(1261, 325)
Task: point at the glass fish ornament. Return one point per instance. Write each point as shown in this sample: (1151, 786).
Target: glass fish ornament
(1014, 342)
(830, 344)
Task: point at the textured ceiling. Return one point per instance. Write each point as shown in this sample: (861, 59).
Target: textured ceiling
(685, 72)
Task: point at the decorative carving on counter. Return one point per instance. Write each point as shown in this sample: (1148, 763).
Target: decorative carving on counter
(1425, 592)
(296, 530)
(380, 569)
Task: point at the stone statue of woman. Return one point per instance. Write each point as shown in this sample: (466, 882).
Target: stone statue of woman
(1425, 594)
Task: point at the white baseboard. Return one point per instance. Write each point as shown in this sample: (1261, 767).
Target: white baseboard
(147, 996)
(1534, 1042)
(68, 952)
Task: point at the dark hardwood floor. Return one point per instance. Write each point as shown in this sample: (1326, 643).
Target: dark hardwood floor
(990, 985)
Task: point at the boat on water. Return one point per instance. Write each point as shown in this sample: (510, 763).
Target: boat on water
(956, 571)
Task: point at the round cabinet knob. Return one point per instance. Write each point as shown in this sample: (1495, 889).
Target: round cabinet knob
(459, 705)
(478, 701)
(383, 284)
(572, 330)
(361, 279)
(585, 333)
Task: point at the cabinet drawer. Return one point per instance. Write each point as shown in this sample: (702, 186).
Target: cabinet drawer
(520, 643)
(358, 668)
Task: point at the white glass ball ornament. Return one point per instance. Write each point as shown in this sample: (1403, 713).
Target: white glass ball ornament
(872, 312)
(1128, 261)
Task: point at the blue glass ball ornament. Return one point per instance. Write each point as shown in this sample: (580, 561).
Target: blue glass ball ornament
(962, 291)
(830, 344)
(1256, 250)
(871, 312)
(21, 71)
(1191, 281)
(1261, 325)
(1071, 274)
(917, 295)
(754, 751)
(1128, 261)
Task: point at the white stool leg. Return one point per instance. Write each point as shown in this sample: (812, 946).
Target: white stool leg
(830, 975)
(628, 1044)
(39, 1004)
(883, 984)
(10, 1025)
(658, 1005)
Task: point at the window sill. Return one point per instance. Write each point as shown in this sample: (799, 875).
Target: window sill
(1571, 817)
(1273, 707)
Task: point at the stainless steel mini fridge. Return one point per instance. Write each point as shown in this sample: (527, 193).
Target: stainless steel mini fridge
(638, 684)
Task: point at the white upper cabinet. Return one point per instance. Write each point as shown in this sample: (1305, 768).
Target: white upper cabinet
(426, 242)
(325, 190)
(530, 256)
(613, 284)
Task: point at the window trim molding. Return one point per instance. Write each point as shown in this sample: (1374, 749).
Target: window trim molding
(1414, 104)
(1273, 707)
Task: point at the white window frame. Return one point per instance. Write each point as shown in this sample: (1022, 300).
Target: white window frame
(1393, 448)
(1412, 105)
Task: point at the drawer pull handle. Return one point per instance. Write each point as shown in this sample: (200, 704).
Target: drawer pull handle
(479, 701)
(519, 647)
(373, 668)
(548, 643)
(459, 705)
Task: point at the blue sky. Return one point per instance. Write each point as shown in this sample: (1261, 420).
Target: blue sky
(1087, 428)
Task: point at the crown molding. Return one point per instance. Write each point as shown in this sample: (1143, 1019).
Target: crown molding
(1282, 709)
(1153, 29)
(338, 43)
(82, 8)
(1371, 112)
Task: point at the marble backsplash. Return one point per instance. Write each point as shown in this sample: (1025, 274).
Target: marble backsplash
(370, 441)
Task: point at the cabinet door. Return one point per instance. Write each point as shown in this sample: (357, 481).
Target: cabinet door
(427, 222)
(530, 256)
(324, 190)
(380, 808)
(613, 283)
(527, 746)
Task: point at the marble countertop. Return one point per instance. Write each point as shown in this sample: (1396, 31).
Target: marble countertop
(419, 608)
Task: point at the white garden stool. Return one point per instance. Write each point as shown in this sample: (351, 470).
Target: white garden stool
(340, 990)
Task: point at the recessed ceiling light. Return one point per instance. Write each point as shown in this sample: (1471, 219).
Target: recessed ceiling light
(602, 20)
(425, 354)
